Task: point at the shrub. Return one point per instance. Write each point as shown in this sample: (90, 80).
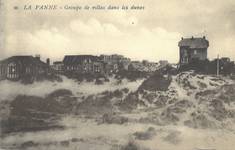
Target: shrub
(130, 102)
(157, 82)
(131, 75)
(60, 92)
(146, 135)
(99, 82)
(29, 144)
(125, 90)
(117, 93)
(130, 146)
(173, 137)
(110, 119)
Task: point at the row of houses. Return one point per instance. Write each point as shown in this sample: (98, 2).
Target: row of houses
(191, 50)
(18, 67)
(91, 64)
(106, 64)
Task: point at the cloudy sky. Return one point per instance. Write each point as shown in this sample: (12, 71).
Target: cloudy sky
(152, 33)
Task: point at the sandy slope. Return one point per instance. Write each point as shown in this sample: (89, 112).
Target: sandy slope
(87, 135)
(196, 113)
(9, 90)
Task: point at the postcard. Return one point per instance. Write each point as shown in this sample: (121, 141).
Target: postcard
(117, 74)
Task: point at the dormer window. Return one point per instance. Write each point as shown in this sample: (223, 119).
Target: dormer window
(195, 52)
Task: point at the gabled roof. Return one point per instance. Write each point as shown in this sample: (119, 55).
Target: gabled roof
(194, 43)
(24, 60)
(79, 59)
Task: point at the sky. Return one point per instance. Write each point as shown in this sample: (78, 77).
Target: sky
(152, 33)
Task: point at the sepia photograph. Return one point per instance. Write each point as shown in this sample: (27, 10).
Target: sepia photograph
(117, 74)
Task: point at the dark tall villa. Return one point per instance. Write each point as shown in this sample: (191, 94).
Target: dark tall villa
(193, 49)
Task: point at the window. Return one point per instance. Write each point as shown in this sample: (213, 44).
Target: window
(12, 71)
(27, 70)
(85, 68)
(195, 52)
(97, 69)
(184, 59)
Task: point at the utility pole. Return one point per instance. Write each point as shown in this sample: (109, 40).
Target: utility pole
(217, 65)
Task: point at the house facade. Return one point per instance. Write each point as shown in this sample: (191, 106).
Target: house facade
(58, 66)
(163, 62)
(83, 64)
(18, 67)
(114, 63)
(224, 65)
(144, 66)
(192, 49)
(136, 66)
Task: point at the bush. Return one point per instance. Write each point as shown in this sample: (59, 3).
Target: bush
(28, 79)
(169, 116)
(60, 92)
(202, 85)
(93, 105)
(48, 76)
(113, 119)
(125, 90)
(29, 144)
(130, 102)
(131, 75)
(22, 104)
(157, 82)
(99, 82)
(146, 135)
(199, 120)
(130, 146)
(173, 137)
(117, 93)
(89, 77)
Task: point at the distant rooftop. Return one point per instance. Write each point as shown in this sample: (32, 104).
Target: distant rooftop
(194, 42)
(24, 60)
(71, 59)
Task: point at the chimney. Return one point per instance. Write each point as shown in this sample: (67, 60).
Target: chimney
(182, 38)
(48, 61)
(204, 37)
(37, 56)
(192, 38)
